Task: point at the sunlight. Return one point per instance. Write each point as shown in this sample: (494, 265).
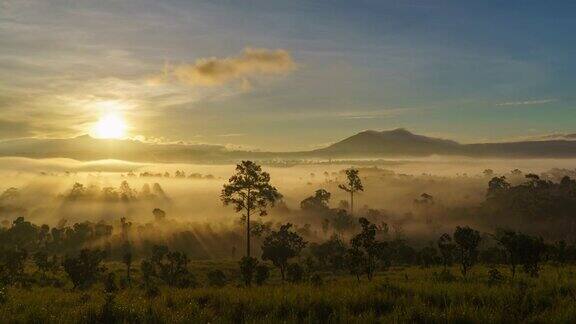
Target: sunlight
(109, 126)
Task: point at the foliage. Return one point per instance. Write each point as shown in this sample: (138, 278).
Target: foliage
(282, 245)
(447, 248)
(467, 240)
(84, 269)
(262, 274)
(365, 250)
(249, 190)
(216, 278)
(316, 203)
(294, 273)
(353, 185)
(248, 267)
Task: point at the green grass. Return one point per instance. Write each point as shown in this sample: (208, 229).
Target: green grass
(400, 295)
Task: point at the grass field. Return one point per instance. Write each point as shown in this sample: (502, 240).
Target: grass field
(398, 295)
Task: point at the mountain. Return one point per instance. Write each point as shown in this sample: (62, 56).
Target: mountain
(368, 144)
(401, 142)
(89, 148)
(393, 142)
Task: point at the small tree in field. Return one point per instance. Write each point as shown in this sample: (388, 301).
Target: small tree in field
(446, 247)
(282, 245)
(249, 191)
(365, 250)
(354, 185)
(248, 266)
(84, 270)
(467, 241)
(127, 260)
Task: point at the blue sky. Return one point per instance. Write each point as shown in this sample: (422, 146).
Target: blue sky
(469, 71)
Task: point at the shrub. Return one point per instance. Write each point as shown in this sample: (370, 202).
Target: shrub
(247, 268)
(84, 269)
(216, 278)
(316, 280)
(295, 273)
(262, 274)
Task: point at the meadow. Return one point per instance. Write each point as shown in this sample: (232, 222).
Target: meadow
(398, 295)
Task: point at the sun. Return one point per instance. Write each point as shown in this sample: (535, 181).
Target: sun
(109, 126)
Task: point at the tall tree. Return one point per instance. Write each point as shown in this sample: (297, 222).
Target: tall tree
(354, 185)
(467, 240)
(249, 190)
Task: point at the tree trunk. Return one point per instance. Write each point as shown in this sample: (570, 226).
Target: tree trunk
(248, 232)
(351, 203)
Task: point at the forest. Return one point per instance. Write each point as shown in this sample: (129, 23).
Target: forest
(503, 254)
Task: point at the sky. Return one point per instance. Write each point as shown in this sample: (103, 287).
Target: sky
(287, 75)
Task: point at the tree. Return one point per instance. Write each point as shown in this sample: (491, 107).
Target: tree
(248, 266)
(496, 186)
(446, 247)
(249, 190)
(43, 263)
(330, 254)
(127, 259)
(282, 245)
(170, 266)
(354, 185)
(467, 241)
(510, 241)
(216, 278)
(318, 202)
(159, 215)
(294, 273)
(84, 269)
(12, 262)
(366, 247)
(262, 274)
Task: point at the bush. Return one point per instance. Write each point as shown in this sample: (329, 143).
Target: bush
(84, 269)
(216, 278)
(494, 276)
(110, 283)
(316, 280)
(247, 268)
(262, 274)
(294, 273)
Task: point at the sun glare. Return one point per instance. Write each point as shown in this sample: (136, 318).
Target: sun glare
(109, 126)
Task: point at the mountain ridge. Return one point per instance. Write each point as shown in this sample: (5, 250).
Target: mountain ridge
(398, 142)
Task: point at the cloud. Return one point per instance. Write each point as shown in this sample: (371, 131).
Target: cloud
(387, 113)
(251, 62)
(527, 102)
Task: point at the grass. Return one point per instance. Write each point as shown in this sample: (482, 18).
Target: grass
(400, 295)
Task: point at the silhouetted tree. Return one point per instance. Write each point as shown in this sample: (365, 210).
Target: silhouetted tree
(216, 278)
(294, 273)
(84, 269)
(318, 202)
(446, 247)
(249, 190)
(159, 215)
(127, 259)
(248, 266)
(365, 245)
(353, 185)
(12, 262)
(282, 245)
(467, 241)
(262, 274)
(330, 254)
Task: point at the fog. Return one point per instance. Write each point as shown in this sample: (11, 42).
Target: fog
(191, 200)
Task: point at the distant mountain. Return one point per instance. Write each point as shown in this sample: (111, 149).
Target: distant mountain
(401, 142)
(89, 148)
(368, 144)
(393, 142)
